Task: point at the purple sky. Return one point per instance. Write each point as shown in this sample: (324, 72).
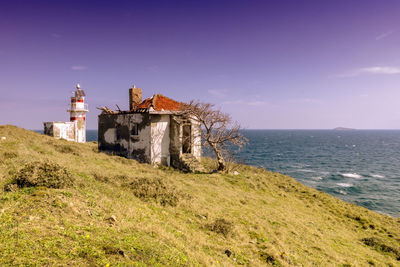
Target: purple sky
(270, 64)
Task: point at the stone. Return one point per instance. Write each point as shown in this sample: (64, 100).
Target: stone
(253, 241)
(112, 219)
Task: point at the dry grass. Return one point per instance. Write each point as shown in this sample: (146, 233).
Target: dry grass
(275, 220)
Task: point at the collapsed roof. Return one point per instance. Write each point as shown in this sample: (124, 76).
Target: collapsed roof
(156, 103)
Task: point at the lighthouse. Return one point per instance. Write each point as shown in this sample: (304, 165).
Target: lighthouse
(78, 110)
(75, 129)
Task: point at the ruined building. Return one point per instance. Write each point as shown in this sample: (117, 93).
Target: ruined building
(75, 129)
(151, 131)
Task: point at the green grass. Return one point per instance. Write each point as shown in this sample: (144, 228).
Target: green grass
(119, 212)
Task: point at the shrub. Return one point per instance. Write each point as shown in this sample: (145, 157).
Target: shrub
(154, 188)
(100, 177)
(10, 155)
(378, 245)
(67, 149)
(221, 226)
(45, 174)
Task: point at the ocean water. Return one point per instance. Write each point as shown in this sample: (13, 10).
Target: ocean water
(361, 166)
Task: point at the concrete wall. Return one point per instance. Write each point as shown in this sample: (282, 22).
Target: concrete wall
(160, 139)
(80, 131)
(115, 135)
(196, 135)
(61, 130)
(175, 146)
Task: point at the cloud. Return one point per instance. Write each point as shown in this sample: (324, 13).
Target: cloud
(79, 68)
(372, 70)
(218, 93)
(380, 70)
(384, 35)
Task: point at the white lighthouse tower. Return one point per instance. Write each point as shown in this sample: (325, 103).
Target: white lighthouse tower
(78, 112)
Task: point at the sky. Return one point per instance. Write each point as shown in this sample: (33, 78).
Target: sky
(273, 64)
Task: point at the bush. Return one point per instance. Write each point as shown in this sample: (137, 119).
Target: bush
(380, 246)
(10, 155)
(221, 226)
(67, 149)
(154, 188)
(45, 174)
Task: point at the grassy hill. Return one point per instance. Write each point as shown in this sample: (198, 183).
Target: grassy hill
(63, 203)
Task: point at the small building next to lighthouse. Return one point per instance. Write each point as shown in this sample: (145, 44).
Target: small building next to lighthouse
(75, 129)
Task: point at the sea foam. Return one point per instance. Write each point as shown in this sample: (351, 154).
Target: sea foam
(377, 176)
(344, 184)
(351, 175)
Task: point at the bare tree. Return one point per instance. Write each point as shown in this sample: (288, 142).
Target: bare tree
(219, 131)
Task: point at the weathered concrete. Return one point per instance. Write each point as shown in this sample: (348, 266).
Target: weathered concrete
(115, 135)
(158, 140)
(61, 130)
(151, 131)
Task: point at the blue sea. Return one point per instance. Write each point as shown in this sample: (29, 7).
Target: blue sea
(360, 166)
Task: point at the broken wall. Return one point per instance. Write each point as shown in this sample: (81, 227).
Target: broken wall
(126, 135)
(61, 130)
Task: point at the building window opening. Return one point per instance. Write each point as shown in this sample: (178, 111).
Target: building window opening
(135, 130)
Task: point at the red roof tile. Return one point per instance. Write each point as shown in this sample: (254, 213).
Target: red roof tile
(159, 103)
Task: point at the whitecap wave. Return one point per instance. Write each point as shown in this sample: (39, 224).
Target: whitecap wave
(351, 175)
(344, 184)
(377, 176)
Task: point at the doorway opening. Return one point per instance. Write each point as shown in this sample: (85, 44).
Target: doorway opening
(187, 138)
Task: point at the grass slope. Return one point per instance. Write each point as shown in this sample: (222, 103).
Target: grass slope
(119, 212)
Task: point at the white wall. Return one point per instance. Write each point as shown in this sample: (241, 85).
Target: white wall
(64, 130)
(196, 135)
(160, 141)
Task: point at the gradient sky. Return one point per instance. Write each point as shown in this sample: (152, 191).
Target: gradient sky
(270, 64)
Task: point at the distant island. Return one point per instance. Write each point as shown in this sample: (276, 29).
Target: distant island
(343, 129)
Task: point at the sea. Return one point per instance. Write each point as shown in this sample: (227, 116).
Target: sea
(357, 166)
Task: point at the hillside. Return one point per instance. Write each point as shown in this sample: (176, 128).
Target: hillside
(64, 203)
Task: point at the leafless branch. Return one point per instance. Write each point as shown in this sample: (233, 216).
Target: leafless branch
(219, 131)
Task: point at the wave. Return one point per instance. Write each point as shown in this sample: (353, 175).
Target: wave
(351, 175)
(304, 170)
(344, 184)
(377, 176)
